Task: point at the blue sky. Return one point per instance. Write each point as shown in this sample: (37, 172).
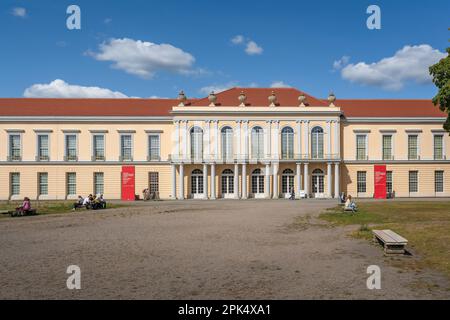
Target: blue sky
(283, 42)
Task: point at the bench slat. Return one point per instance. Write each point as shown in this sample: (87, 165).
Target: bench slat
(390, 237)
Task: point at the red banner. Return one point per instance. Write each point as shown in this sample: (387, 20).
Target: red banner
(380, 182)
(128, 178)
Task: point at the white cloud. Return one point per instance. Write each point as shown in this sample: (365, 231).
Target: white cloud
(279, 84)
(409, 64)
(342, 62)
(144, 59)
(19, 12)
(253, 49)
(217, 88)
(237, 39)
(61, 89)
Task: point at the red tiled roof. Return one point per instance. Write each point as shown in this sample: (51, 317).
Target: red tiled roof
(259, 97)
(86, 107)
(389, 108)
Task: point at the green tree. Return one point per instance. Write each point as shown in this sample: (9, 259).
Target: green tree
(441, 78)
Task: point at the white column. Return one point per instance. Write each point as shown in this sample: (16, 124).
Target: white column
(306, 138)
(337, 139)
(207, 141)
(267, 182)
(267, 133)
(174, 182)
(181, 196)
(213, 181)
(237, 151)
(276, 139)
(236, 181)
(205, 181)
(185, 139)
(328, 138)
(299, 181)
(246, 139)
(275, 181)
(336, 181)
(216, 139)
(244, 181)
(299, 137)
(177, 145)
(306, 178)
(329, 180)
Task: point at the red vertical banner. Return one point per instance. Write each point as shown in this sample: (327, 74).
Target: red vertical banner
(128, 179)
(380, 182)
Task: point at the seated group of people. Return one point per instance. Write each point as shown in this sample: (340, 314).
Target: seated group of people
(90, 202)
(349, 203)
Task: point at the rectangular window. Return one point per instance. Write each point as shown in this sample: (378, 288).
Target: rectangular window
(71, 147)
(413, 147)
(15, 152)
(71, 183)
(98, 141)
(153, 147)
(361, 147)
(15, 183)
(439, 181)
(43, 183)
(439, 147)
(98, 183)
(43, 146)
(389, 186)
(153, 179)
(126, 147)
(361, 182)
(413, 181)
(387, 147)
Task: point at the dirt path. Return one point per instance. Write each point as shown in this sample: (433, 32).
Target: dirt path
(199, 250)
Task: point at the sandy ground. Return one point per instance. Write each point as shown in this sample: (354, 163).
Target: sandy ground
(199, 250)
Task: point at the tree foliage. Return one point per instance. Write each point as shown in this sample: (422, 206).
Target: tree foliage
(441, 78)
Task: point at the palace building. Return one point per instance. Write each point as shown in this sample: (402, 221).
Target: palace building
(241, 143)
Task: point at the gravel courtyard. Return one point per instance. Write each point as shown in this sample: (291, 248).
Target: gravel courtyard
(200, 250)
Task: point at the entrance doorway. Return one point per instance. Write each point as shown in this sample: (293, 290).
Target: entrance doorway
(318, 187)
(227, 184)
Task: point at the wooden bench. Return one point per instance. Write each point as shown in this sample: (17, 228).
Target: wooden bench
(31, 212)
(391, 241)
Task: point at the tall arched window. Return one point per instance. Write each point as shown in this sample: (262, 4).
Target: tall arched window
(287, 143)
(317, 143)
(227, 143)
(257, 182)
(196, 143)
(287, 181)
(227, 183)
(318, 183)
(257, 143)
(197, 182)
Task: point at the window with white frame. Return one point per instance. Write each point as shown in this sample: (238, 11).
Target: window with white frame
(361, 147)
(227, 143)
(71, 183)
(361, 183)
(15, 147)
(413, 147)
(413, 181)
(43, 183)
(387, 147)
(287, 143)
(438, 146)
(43, 147)
(126, 147)
(98, 147)
(14, 183)
(98, 183)
(389, 182)
(71, 147)
(154, 145)
(257, 143)
(196, 143)
(317, 143)
(439, 181)
(153, 182)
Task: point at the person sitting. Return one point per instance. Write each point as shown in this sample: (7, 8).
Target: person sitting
(146, 194)
(87, 202)
(25, 207)
(78, 204)
(102, 202)
(350, 205)
(292, 197)
(342, 198)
